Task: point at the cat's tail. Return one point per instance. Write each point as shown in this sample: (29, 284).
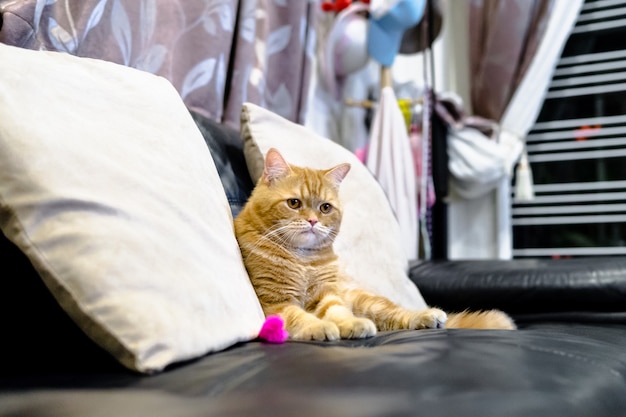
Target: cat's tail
(489, 319)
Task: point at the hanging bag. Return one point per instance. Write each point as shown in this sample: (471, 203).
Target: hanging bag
(478, 161)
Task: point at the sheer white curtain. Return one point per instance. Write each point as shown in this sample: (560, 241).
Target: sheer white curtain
(481, 228)
(526, 103)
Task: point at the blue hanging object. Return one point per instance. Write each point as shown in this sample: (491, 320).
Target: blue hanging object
(385, 33)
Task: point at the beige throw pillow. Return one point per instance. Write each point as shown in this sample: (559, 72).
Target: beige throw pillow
(107, 185)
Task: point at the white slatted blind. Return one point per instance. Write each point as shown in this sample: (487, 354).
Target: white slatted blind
(577, 147)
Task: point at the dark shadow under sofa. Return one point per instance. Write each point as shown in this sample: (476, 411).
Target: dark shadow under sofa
(567, 358)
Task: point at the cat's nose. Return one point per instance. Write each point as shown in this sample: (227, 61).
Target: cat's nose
(312, 222)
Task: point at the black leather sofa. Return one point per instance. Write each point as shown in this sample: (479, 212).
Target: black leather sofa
(568, 357)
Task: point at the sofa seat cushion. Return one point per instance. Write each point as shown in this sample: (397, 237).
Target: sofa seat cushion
(547, 369)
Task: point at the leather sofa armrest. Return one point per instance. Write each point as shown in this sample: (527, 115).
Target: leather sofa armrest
(581, 288)
(226, 148)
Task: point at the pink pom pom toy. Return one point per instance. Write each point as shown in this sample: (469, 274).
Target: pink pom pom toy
(273, 330)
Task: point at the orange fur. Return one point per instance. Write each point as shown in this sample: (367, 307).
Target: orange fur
(490, 319)
(286, 231)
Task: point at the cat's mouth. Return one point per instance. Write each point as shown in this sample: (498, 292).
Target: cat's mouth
(310, 236)
(306, 228)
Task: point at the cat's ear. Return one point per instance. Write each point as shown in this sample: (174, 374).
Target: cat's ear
(338, 173)
(275, 166)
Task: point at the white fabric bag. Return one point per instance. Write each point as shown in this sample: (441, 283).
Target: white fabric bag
(477, 163)
(480, 153)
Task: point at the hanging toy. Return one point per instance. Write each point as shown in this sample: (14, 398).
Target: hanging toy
(338, 5)
(273, 330)
(335, 6)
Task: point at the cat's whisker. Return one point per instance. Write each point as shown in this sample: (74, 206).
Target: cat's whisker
(274, 235)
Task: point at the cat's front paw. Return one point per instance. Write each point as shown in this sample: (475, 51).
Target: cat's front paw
(431, 318)
(319, 330)
(356, 328)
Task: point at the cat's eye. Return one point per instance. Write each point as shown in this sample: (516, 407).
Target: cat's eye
(326, 208)
(294, 203)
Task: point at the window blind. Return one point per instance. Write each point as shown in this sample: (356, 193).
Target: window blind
(577, 147)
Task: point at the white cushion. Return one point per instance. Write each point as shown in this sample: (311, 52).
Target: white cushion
(369, 244)
(109, 188)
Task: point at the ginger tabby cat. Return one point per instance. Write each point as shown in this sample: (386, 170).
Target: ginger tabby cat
(286, 232)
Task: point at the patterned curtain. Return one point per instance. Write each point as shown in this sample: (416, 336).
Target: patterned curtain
(217, 53)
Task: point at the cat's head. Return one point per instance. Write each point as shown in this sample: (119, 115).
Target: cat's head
(299, 207)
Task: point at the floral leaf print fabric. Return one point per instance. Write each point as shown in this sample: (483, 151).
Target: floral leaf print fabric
(217, 53)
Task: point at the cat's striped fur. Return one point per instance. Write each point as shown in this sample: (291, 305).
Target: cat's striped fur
(286, 231)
